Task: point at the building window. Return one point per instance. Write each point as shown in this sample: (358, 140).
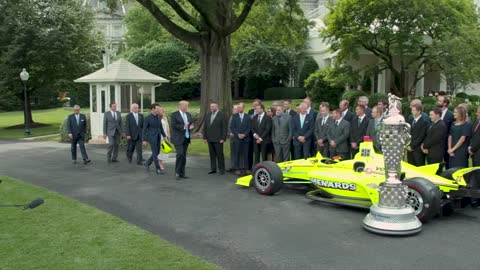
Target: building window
(117, 31)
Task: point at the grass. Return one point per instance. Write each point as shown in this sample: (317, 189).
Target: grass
(64, 234)
(199, 148)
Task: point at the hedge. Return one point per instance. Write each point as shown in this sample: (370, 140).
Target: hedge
(275, 93)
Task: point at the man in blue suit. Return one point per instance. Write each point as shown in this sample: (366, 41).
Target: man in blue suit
(302, 131)
(77, 128)
(133, 130)
(153, 132)
(241, 127)
(447, 116)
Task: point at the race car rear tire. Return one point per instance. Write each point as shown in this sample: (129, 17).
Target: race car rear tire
(267, 178)
(449, 173)
(424, 197)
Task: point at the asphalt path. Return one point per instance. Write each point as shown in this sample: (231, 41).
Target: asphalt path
(234, 227)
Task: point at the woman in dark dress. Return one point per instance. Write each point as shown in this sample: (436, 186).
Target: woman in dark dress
(458, 139)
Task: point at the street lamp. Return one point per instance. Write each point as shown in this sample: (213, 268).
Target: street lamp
(24, 77)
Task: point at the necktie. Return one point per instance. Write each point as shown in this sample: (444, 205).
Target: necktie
(414, 122)
(187, 132)
(241, 118)
(279, 119)
(359, 121)
(302, 119)
(259, 120)
(336, 123)
(78, 119)
(114, 116)
(324, 120)
(477, 127)
(136, 118)
(212, 117)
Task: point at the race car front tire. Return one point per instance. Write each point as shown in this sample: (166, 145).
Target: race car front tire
(267, 178)
(424, 197)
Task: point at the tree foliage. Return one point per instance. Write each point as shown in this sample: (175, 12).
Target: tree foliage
(323, 86)
(53, 40)
(406, 35)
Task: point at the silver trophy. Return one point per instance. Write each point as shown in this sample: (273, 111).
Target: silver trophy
(392, 215)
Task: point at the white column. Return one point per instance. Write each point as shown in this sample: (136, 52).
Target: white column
(443, 83)
(153, 94)
(381, 82)
(420, 86)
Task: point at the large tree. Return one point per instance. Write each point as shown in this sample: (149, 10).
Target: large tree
(407, 35)
(54, 40)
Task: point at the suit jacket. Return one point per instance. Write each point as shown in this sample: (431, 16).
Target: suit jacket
(77, 129)
(178, 127)
(217, 130)
(368, 112)
(306, 130)
(435, 139)
(372, 132)
(418, 132)
(152, 128)
(358, 131)
(131, 128)
(264, 128)
(292, 113)
(425, 118)
(448, 119)
(321, 131)
(282, 129)
(110, 125)
(475, 140)
(340, 135)
(241, 127)
(348, 116)
(314, 113)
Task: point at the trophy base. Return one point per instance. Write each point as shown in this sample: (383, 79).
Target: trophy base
(392, 221)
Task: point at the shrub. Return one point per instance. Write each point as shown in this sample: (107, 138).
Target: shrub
(462, 95)
(373, 99)
(275, 93)
(319, 89)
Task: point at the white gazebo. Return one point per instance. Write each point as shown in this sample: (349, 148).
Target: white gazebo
(123, 83)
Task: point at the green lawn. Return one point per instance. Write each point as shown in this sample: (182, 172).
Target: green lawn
(199, 148)
(64, 234)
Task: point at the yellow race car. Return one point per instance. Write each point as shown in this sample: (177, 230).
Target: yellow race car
(355, 182)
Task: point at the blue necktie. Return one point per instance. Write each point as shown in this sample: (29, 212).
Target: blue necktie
(187, 131)
(301, 121)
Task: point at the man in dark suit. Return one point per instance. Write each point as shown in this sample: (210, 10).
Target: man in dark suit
(112, 127)
(443, 102)
(434, 143)
(215, 134)
(322, 124)
(338, 135)
(425, 116)
(347, 115)
(281, 134)
(311, 111)
(262, 134)
(153, 132)
(181, 128)
(358, 129)
(302, 132)
(287, 107)
(252, 112)
(241, 127)
(77, 128)
(133, 130)
(418, 131)
(474, 148)
(363, 100)
(373, 127)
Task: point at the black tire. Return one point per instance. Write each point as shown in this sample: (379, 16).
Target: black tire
(267, 178)
(449, 173)
(424, 197)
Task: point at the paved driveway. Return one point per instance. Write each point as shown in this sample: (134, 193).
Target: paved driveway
(235, 227)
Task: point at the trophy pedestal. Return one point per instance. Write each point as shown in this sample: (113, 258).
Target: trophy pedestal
(392, 215)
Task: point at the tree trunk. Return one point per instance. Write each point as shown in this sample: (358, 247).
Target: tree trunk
(28, 110)
(236, 89)
(216, 77)
(398, 84)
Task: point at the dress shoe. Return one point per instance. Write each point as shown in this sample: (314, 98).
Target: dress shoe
(86, 161)
(222, 172)
(230, 170)
(115, 161)
(129, 160)
(184, 177)
(74, 161)
(160, 172)
(177, 177)
(146, 166)
(139, 163)
(212, 172)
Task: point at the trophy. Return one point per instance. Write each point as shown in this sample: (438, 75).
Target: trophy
(392, 215)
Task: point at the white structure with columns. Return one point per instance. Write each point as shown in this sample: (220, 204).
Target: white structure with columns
(122, 83)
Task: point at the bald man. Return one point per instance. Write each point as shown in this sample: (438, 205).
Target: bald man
(133, 130)
(181, 135)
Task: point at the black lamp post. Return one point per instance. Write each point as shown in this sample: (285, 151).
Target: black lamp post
(24, 77)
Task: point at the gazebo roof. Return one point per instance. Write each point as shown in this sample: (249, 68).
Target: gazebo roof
(121, 71)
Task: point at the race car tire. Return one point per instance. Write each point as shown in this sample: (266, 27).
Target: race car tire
(424, 197)
(267, 178)
(449, 173)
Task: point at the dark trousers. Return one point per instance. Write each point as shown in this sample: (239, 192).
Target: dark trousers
(353, 152)
(132, 146)
(302, 150)
(434, 159)
(155, 145)
(292, 150)
(181, 161)
(233, 156)
(416, 157)
(81, 143)
(215, 150)
(250, 152)
(282, 152)
(113, 144)
(324, 150)
(259, 150)
(476, 159)
(240, 150)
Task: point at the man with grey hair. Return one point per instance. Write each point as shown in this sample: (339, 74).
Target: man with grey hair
(281, 134)
(77, 128)
(363, 101)
(241, 127)
(133, 130)
(302, 132)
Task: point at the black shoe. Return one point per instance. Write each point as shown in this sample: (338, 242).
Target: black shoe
(109, 160)
(177, 177)
(160, 172)
(185, 177)
(231, 170)
(212, 172)
(146, 166)
(129, 160)
(86, 161)
(115, 160)
(222, 172)
(139, 163)
(74, 161)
